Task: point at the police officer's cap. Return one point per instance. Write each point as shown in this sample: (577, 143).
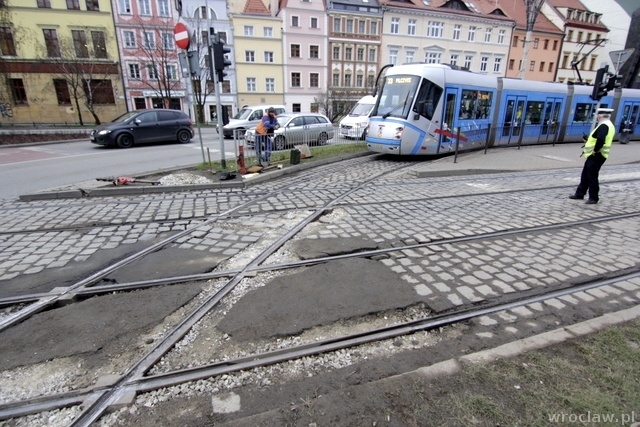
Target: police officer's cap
(605, 110)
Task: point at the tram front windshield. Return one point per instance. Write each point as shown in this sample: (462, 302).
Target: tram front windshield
(396, 96)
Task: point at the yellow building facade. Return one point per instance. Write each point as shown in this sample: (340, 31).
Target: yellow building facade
(59, 62)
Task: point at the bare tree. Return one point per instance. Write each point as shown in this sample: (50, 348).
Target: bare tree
(160, 59)
(336, 102)
(76, 75)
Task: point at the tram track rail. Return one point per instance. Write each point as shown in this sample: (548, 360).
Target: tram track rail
(97, 400)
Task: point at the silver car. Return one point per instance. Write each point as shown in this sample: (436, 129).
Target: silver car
(296, 129)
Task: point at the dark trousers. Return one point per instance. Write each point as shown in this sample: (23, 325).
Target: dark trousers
(589, 177)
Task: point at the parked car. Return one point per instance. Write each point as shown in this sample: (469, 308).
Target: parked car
(356, 123)
(141, 126)
(248, 117)
(297, 128)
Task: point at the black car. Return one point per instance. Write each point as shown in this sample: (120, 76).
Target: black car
(142, 126)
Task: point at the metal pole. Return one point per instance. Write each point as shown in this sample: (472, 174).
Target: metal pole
(191, 106)
(486, 142)
(218, 86)
(455, 157)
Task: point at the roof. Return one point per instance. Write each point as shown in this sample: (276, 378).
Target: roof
(255, 7)
(516, 11)
(475, 8)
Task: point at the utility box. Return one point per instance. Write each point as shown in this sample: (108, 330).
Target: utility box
(294, 158)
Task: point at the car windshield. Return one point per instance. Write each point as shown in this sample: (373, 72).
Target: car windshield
(396, 96)
(125, 117)
(243, 114)
(361, 109)
(282, 120)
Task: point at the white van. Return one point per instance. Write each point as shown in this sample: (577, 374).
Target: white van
(354, 125)
(247, 118)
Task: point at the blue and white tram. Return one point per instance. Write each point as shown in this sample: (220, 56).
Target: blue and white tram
(423, 109)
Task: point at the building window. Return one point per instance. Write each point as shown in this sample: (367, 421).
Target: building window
(315, 107)
(139, 103)
(511, 63)
(497, 64)
(532, 66)
(18, 91)
(149, 40)
(372, 55)
(565, 61)
(467, 61)
(248, 30)
(336, 25)
(453, 60)
(94, 5)
(335, 80)
(487, 35)
(349, 25)
(51, 43)
(295, 51)
(171, 72)
(296, 108)
(251, 84)
(134, 71)
(72, 5)
(250, 56)
(501, 34)
(314, 80)
(362, 27)
(433, 57)
(550, 67)
(435, 29)
(44, 4)
(409, 56)
(570, 36)
(268, 57)
(360, 54)
(144, 8)
(267, 32)
(456, 32)
(152, 71)
(472, 34)
(125, 6)
(347, 80)
(295, 79)
(129, 39)
(483, 63)
(314, 22)
(295, 21)
(62, 91)
(555, 44)
(545, 45)
(270, 84)
(541, 66)
(515, 41)
(7, 45)
(347, 53)
(359, 80)
(163, 8)
(535, 43)
(411, 29)
(336, 53)
(395, 25)
(100, 44)
(373, 28)
(393, 56)
(314, 51)
(100, 91)
(80, 43)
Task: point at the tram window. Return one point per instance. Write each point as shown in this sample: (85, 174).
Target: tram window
(475, 104)
(534, 111)
(583, 113)
(427, 99)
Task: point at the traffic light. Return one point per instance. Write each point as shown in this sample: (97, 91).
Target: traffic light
(219, 60)
(599, 87)
(614, 81)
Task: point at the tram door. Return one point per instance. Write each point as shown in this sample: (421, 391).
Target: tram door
(550, 119)
(630, 121)
(447, 143)
(514, 114)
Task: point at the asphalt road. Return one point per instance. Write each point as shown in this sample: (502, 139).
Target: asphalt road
(39, 167)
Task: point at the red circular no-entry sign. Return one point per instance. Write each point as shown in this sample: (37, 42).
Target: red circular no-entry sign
(181, 34)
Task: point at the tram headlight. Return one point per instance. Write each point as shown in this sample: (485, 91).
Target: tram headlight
(398, 132)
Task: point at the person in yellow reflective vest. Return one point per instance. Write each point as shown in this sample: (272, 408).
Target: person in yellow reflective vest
(595, 150)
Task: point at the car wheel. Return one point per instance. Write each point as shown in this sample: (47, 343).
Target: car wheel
(184, 136)
(280, 143)
(322, 138)
(124, 140)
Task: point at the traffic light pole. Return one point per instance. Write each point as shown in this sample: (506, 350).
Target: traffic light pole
(218, 84)
(190, 102)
